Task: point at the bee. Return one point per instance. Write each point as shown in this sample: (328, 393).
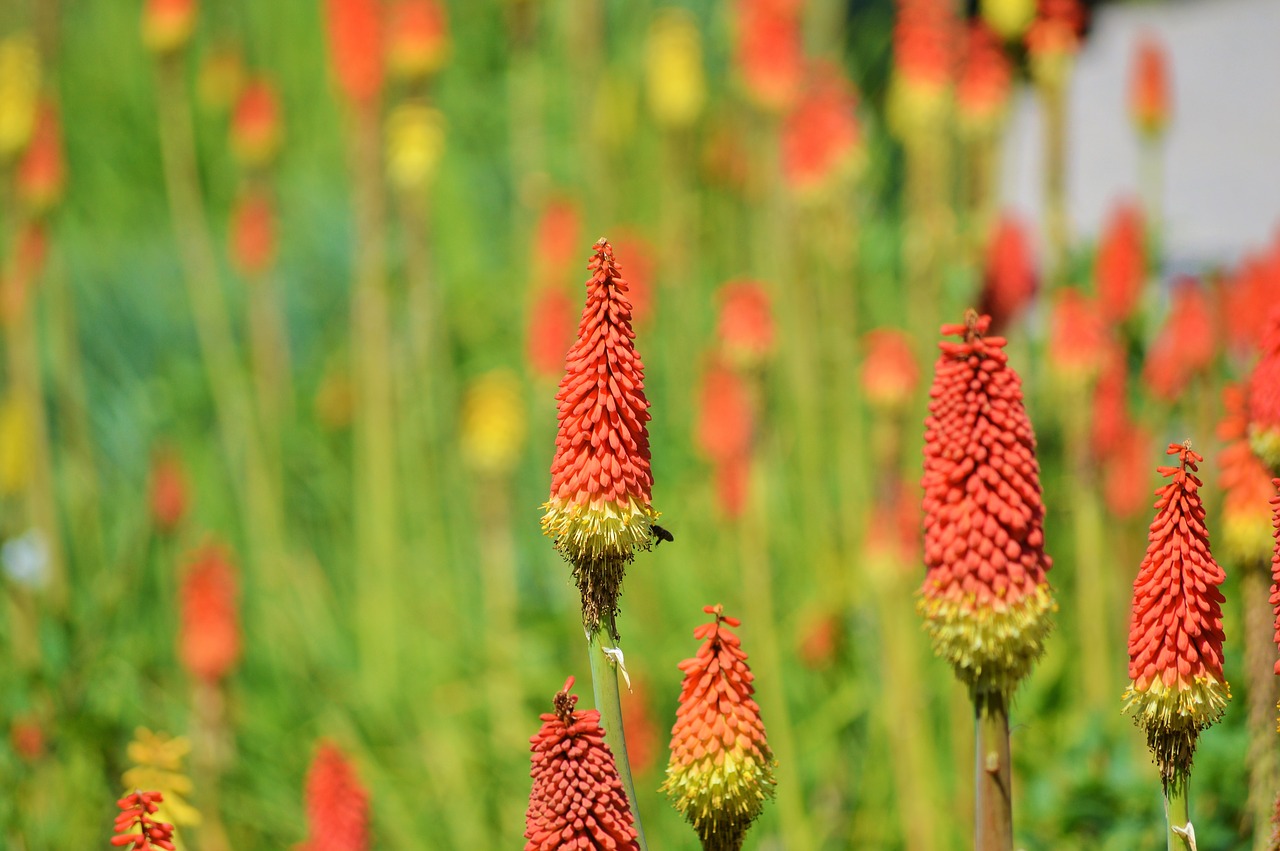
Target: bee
(662, 535)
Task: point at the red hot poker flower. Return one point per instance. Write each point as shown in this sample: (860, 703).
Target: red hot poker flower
(721, 767)
(337, 805)
(599, 511)
(1275, 572)
(1175, 641)
(167, 24)
(1264, 397)
(1009, 278)
(255, 124)
(770, 51)
(1120, 264)
(419, 38)
(168, 490)
(1149, 88)
(746, 328)
(253, 232)
(355, 47)
(1246, 487)
(1185, 346)
(577, 800)
(41, 173)
(985, 598)
(821, 136)
(890, 373)
(982, 92)
(135, 828)
(209, 642)
(550, 331)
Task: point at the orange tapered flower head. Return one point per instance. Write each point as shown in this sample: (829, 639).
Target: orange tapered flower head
(769, 51)
(925, 37)
(986, 79)
(1009, 276)
(1185, 346)
(890, 373)
(252, 232)
(1246, 487)
(1078, 339)
(167, 25)
(746, 327)
(419, 39)
(721, 767)
(600, 510)
(355, 47)
(255, 124)
(1120, 266)
(986, 600)
(337, 805)
(723, 433)
(168, 490)
(1125, 471)
(577, 800)
(550, 331)
(1264, 397)
(1054, 39)
(1149, 99)
(821, 138)
(1110, 402)
(1175, 638)
(41, 174)
(1275, 571)
(135, 828)
(209, 641)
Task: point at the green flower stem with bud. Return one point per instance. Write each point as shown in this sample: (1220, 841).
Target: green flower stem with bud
(1176, 813)
(604, 685)
(993, 775)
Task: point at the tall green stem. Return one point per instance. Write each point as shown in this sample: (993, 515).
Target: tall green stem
(993, 776)
(604, 684)
(1176, 814)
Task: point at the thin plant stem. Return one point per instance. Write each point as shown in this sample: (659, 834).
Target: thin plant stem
(1260, 686)
(604, 685)
(1177, 814)
(993, 776)
(1054, 101)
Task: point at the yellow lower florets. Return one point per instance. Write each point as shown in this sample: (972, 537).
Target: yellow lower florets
(598, 530)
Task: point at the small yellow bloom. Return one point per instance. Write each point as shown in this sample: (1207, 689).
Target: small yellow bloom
(493, 423)
(415, 144)
(674, 80)
(19, 93)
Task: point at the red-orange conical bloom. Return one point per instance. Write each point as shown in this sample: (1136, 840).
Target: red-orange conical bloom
(890, 373)
(1275, 570)
(1246, 487)
(746, 327)
(136, 829)
(167, 24)
(982, 92)
(721, 767)
(1120, 265)
(209, 642)
(1110, 403)
(1264, 397)
(168, 490)
(337, 805)
(1248, 296)
(985, 599)
(723, 433)
(821, 136)
(1009, 275)
(600, 510)
(550, 331)
(253, 232)
(1175, 638)
(419, 38)
(41, 172)
(577, 800)
(1078, 338)
(355, 47)
(255, 124)
(1125, 471)
(1185, 346)
(1149, 88)
(769, 50)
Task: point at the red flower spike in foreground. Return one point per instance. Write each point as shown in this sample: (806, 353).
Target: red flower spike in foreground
(721, 767)
(1264, 397)
(135, 828)
(209, 641)
(600, 510)
(985, 599)
(1175, 640)
(337, 805)
(577, 800)
(1275, 572)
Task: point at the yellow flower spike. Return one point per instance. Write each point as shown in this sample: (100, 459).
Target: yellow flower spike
(19, 93)
(415, 144)
(493, 423)
(674, 79)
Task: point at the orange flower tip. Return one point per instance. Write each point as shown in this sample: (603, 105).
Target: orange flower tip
(167, 25)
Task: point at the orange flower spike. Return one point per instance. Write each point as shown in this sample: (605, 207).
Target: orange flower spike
(889, 374)
(599, 511)
(252, 234)
(1120, 266)
(419, 39)
(209, 641)
(821, 137)
(577, 800)
(136, 829)
(355, 47)
(1264, 397)
(1149, 100)
(985, 81)
(167, 25)
(1246, 487)
(1009, 278)
(337, 805)
(1185, 346)
(985, 599)
(721, 767)
(769, 51)
(1275, 571)
(167, 490)
(1175, 641)
(746, 328)
(255, 124)
(41, 174)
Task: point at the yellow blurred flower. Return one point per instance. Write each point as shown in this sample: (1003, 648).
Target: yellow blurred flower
(157, 765)
(674, 78)
(415, 143)
(1009, 18)
(221, 78)
(19, 92)
(15, 446)
(493, 423)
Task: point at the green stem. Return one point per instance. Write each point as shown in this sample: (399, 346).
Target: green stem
(993, 776)
(1176, 814)
(604, 684)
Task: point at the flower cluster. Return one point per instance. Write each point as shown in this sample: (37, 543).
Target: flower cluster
(577, 800)
(1177, 687)
(985, 599)
(721, 767)
(136, 829)
(337, 805)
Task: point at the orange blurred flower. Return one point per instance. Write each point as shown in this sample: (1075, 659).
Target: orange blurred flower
(27, 738)
(723, 432)
(1246, 486)
(419, 38)
(1248, 297)
(1177, 687)
(1275, 579)
(557, 236)
(1054, 39)
(746, 328)
(552, 320)
(1111, 403)
(167, 24)
(255, 124)
(925, 36)
(1120, 265)
(985, 599)
(1264, 396)
(1185, 346)
(1078, 339)
(982, 92)
(1125, 471)
(642, 730)
(1009, 276)
(355, 47)
(769, 51)
(41, 174)
(721, 767)
(889, 373)
(253, 232)
(337, 804)
(640, 269)
(821, 139)
(577, 800)
(209, 640)
(1149, 100)
(167, 489)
